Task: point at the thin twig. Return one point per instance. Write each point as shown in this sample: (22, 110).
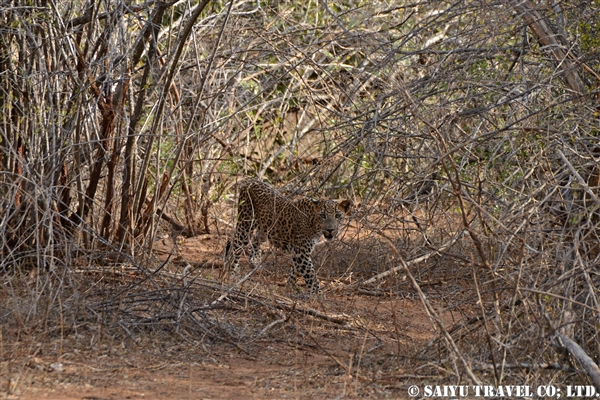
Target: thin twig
(417, 260)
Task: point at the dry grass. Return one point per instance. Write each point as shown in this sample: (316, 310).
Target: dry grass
(470, 150)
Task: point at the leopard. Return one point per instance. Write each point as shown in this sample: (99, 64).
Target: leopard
(292, 225)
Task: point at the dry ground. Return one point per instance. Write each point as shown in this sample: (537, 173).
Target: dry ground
(374, 351)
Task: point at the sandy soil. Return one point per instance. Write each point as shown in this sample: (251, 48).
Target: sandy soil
(374, 355)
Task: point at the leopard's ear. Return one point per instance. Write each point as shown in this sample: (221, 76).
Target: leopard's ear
(316, 202)
(346, 206)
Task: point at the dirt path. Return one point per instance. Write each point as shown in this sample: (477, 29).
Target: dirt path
(372, 356)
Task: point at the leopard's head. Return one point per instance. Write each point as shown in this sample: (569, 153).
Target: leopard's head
(331, 213)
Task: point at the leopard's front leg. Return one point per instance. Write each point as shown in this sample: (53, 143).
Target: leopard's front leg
(303, 265)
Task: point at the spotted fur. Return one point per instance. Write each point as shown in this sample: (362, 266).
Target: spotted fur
(290, 225)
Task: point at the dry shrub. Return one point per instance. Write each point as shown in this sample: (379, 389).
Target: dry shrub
(459, 132)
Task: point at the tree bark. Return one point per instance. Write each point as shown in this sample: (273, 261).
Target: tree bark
(551, 44)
